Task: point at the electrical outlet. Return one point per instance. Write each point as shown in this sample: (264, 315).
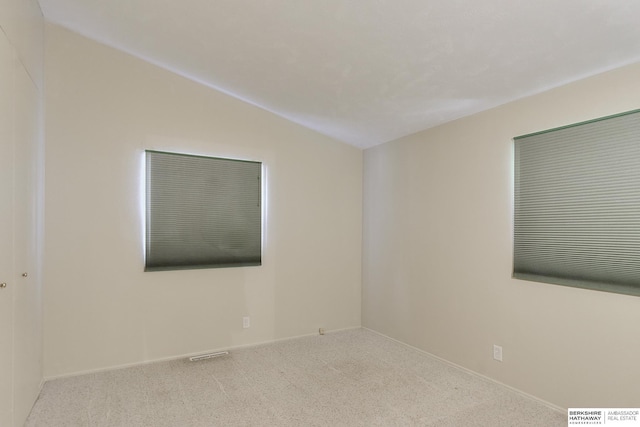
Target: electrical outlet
(246, 322)
(497, 353)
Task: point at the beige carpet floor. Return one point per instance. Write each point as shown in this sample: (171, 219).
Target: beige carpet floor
(348, 378)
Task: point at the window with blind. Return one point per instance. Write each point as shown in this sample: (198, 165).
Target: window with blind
(202, 212)
(577, 205)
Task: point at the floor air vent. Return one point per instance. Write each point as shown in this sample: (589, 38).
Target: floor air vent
(208, 356)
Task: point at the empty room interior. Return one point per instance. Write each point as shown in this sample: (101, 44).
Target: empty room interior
(387, 288)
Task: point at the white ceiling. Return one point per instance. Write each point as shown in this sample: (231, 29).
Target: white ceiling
(367, 71)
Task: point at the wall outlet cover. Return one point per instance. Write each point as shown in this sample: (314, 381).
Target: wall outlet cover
(497, 352)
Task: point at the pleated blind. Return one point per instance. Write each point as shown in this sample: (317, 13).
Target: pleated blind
(577, 205)
(202, 212)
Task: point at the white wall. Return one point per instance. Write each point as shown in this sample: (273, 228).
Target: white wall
(22, 23)
(104, 108)
(438, 256)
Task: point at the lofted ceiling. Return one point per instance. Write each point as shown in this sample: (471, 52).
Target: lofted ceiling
(367, 71)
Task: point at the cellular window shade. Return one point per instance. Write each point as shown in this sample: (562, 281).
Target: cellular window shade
(577, 205)
(202, 212)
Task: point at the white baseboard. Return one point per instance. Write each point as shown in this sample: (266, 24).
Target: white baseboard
(268, 342)
(475, 374)
(185, 356)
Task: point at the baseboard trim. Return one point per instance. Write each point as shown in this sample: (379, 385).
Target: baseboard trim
(274, 341)
(187, 355)
(474, 373)
(269, 342)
